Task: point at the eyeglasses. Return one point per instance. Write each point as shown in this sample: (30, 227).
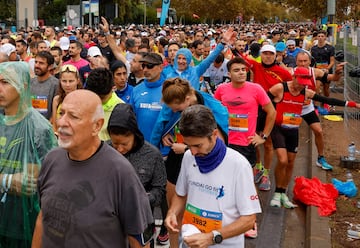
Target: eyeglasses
(69, 68)
(148, 66)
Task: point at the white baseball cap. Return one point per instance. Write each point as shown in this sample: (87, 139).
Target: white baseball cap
(268, 48)
(94, 51)
(7, 48)
(64, 43)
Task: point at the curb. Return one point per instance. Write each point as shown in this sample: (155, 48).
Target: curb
(318, 233)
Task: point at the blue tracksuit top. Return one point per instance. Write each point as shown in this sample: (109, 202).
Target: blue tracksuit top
(167, 118)
(125, 94)
(146, 102)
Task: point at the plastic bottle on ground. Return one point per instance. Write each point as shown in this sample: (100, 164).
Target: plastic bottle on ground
(351, 151)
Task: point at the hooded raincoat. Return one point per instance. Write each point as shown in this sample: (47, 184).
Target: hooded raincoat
(25, 138)
(193, 73)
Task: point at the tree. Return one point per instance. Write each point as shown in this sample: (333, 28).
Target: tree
(7, 11)
(311, 9)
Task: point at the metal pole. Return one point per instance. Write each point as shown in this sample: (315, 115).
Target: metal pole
(90, 19)
(144, 12)
(331, 4)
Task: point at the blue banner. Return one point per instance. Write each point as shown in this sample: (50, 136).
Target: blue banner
(164, 11)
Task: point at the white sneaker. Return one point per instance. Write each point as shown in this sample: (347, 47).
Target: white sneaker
(276, 200)
(286, 202)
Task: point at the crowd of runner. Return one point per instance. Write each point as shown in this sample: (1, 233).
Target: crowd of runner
(186, 106)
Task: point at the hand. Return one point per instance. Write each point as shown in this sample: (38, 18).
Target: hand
(23, 185)
(229, 36)
(168, 140)
(179, 148)
(171, 223)
(340, 68)
(256, 140)
(358, 105)
(99, 62)
(199, 240)
(105, 25)
(279, 58)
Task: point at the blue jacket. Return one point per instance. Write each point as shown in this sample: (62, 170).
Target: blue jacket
(167, 118)
(146, 102)
(192, 73)
(125, 94)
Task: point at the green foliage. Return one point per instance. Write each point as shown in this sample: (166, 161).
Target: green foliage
(311, 8)
(7, 11)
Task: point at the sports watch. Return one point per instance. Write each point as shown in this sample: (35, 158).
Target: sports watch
(217, 237)
(263, 136)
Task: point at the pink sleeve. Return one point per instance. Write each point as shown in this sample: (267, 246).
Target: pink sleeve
(217, 94)
(263, 98)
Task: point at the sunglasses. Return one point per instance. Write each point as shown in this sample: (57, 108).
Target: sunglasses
(69, 68)
(148, 66)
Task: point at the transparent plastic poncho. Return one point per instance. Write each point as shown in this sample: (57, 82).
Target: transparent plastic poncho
(25, 138)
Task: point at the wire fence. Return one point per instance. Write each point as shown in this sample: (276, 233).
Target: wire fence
(349, 41)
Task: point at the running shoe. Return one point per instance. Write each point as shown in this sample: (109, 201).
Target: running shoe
(252, 233)
(265, 183)
(163, 237)
(322, 111)
(286, 203)
(258, 175)
(276, 200)
(321, 162)
(327, 107)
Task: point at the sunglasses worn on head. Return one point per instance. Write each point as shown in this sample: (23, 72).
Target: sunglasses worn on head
(68, 68)
(148, 66)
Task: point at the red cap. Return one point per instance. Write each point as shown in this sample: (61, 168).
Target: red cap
(303, 76)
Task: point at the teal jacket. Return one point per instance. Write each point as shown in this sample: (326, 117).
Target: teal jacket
(167, 118)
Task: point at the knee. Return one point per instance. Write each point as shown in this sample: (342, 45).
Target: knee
(318, 131)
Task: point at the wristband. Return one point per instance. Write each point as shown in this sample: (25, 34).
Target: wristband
(351, 104)
(5, 176)
(9, 182)
(107, 33)
(4, 181)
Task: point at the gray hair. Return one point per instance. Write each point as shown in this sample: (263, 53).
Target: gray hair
(98, 113)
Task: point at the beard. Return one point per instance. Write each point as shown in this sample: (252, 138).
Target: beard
(64, 144)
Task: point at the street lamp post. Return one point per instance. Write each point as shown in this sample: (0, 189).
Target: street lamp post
(144, 12)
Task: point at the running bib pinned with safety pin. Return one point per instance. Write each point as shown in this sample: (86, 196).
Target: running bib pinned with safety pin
(238, 122)
(291, 120)
(204, 220)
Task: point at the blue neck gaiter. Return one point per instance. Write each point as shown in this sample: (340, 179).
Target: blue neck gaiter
(213, 159)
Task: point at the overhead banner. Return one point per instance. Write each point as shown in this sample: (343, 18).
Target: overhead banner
(164, 11)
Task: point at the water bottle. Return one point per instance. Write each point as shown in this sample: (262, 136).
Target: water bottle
(349, 177)
(351, 151)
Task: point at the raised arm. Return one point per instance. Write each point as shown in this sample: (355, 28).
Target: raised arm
(111, 41)
(228, 38)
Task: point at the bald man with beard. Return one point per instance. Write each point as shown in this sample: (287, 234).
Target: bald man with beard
(101, 190)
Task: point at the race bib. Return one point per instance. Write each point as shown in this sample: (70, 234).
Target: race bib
(40, 103)
(291, 120)
(204, 220)
(238, 122)
(322, 65)
(307, 102)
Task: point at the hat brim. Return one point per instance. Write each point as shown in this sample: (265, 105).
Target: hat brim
(303, 80)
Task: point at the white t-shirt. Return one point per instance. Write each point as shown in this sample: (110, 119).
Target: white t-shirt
(220, 197)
